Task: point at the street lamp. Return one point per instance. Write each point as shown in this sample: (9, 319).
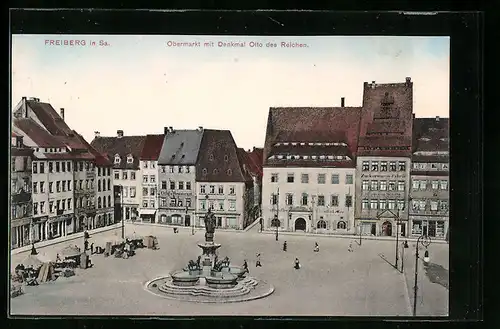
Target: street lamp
(276, 221)
(121, 211)
(425, 241)
(360, 227)
(404, 246)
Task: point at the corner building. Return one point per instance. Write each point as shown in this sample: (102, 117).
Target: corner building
(383, 159)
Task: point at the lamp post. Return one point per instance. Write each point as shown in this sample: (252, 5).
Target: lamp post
(121, 211)
(404, 245)
(276, 216)
(425, 241)
(360, 227)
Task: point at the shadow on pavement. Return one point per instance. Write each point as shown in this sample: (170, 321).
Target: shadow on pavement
(437, 274)
(387, 261)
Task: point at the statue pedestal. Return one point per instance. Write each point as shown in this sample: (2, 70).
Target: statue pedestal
(209, 252)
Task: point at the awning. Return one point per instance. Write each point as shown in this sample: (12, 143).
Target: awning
(147, 212)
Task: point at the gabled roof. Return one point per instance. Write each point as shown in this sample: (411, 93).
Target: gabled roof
(180, 147)
(255, 161)
(100, 159)
(123, 146)
(152, 147)
(36, 133)
(312, 124)
(219, 161)
(49, 118)
(430, 135)
(248, 165)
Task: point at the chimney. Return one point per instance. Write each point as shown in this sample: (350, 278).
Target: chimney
(437, 119)
(165, 130)
(119, 133)
(373, 84)
(97, 134)
(25, 109)
(61, 112)
(408, 80)
(171, 129)
(413, 115)
(200, 128)
(342, 101)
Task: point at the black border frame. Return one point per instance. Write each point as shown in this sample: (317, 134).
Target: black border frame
(466, 104)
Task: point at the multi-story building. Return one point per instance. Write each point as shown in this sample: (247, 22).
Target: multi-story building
(103, 187)
(221, 182)
(177, 176)
(52, 181)
(383, 159)
(149, 177)
(124, 151)
(429, 192)
(252, 163)
(20, 191)
(309, 169)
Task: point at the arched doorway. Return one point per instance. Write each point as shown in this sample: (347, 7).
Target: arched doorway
(300, 224)
(387, 229)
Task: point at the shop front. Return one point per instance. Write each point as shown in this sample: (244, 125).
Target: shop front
(20, 232)
(434, 227)
(147, 215)
(56, 226)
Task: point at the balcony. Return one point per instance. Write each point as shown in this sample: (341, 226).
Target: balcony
(22, 197)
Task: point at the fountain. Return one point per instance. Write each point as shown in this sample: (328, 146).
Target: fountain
(209, 279)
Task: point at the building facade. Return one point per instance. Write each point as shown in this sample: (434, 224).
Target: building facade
(429, 194)
(84, 177)
(383, 159)
(252, 165)
(177, 176)
(149, 205)
(221, 183)
(309, 169)
(124, 152)
(20, 191)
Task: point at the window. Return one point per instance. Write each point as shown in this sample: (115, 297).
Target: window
(152, 191)
(401, 204)
(374, 185)
(98, 186)
(125, 191)
(423, 184)
(188, 203)
(401, 185)
(212, 189)
(383, 165)
(435, 184)
(51, 207)
(415, 184)
(42, 168)
(341, 225)
(204, 171)
(124, 175)
(321, 200)
(434, 205)
(443, 205)
(290, 178)
(188, 185)
(221, 205)
(382, 204)
(69, 185)
(132, 192)
(51, 187)
(335, 179)
(58, 186)
(117, 174)
(383, 185)
(63, 184)
(289, 199)
(57, 166)
(202, 189)
(364, 204)
(51, 167)
(172, 185)
(274, 178)
(63, 166)
(162, 169)
(152, 179)
(304, 199)
(81, 184)
(392, 185)
(304, 178)
(366, 165)
(42, 207)
(274, 199)
(163, 184)
(132, 175)
(181, 185)
(145, 204)
(421, 204)
(321, 179)
(444, 185)
(445, 166)
(231, 190)
(365, 185)
(373, 204)
(130, 159)
(163, 202)
(109, 184)
(348, 200)
(35, 187)
(392, 166)
(321, 224)
(145, 191)
(232, 205)
(221, 189)
(203, 204)
(348, 179)
(179, 169)
(402, 165)
(35, 167)
(152, 204)
(188, 170)
(144, 178)
(391, 204)
(35, 208)
(99, 202)
(172, 202)
(334, 200)
(117, 159)
(145, 164)
(374, 165)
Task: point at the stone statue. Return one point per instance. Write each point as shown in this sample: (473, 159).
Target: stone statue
(225, 262)
(191, 265)
(198, 265)
(209, 226)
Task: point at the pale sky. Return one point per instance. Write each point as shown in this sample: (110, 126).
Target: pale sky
(139, 84)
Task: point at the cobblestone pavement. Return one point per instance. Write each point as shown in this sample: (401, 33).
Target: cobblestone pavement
(333, 282)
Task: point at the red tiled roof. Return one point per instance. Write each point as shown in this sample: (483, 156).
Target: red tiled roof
(384, 141)
(436, 130)
(21, 151)
(100, 159)
(49, 118)
(256, 161)
(152, 147)
(123, 146)
(321, 124)
(309, 150)
(35, 132)
(67, 156)
(14, 134)
(430, 158)
(212, 165)
(310, 163)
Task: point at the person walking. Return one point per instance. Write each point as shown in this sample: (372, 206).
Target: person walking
(316, 247)
(257, 263)
(261, 222)
(284, 246)
(86, 245)
(92, 248)
(245, 266)
(350, 247)
(297, 264)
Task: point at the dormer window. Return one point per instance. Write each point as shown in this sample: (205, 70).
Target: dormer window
(306, 157)
(117, 159)
(294, 144)
(330, 157)
(424, 139)
(226, 158)
(288, 157)
(280, 157)
(286, 144)
(444, 139)
(130, 159)
(322, 157)
(216, 171)
(229, 172)
(211, 157)
(314, 157)
(302, 144)
(204, 171)
(310, 144)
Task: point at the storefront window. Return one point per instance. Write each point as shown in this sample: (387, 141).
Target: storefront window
(417, 227)
(432, 228)
(177, 220)
(232, 222)
(440, 229)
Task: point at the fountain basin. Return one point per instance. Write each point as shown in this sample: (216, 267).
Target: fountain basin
(219, 280)
(184, 278)
(238, 271)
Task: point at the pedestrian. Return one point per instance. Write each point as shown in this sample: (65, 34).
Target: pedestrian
(350, 247)
(284, 246)
(316, 247)
(245, 266)
(86, 245)
(257, 263)
(297, 264)
(86, 234)
(58, 259)
(261, 222)
(92, 248)
(33, 250)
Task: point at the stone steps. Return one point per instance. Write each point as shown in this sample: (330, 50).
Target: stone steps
(243, 287)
